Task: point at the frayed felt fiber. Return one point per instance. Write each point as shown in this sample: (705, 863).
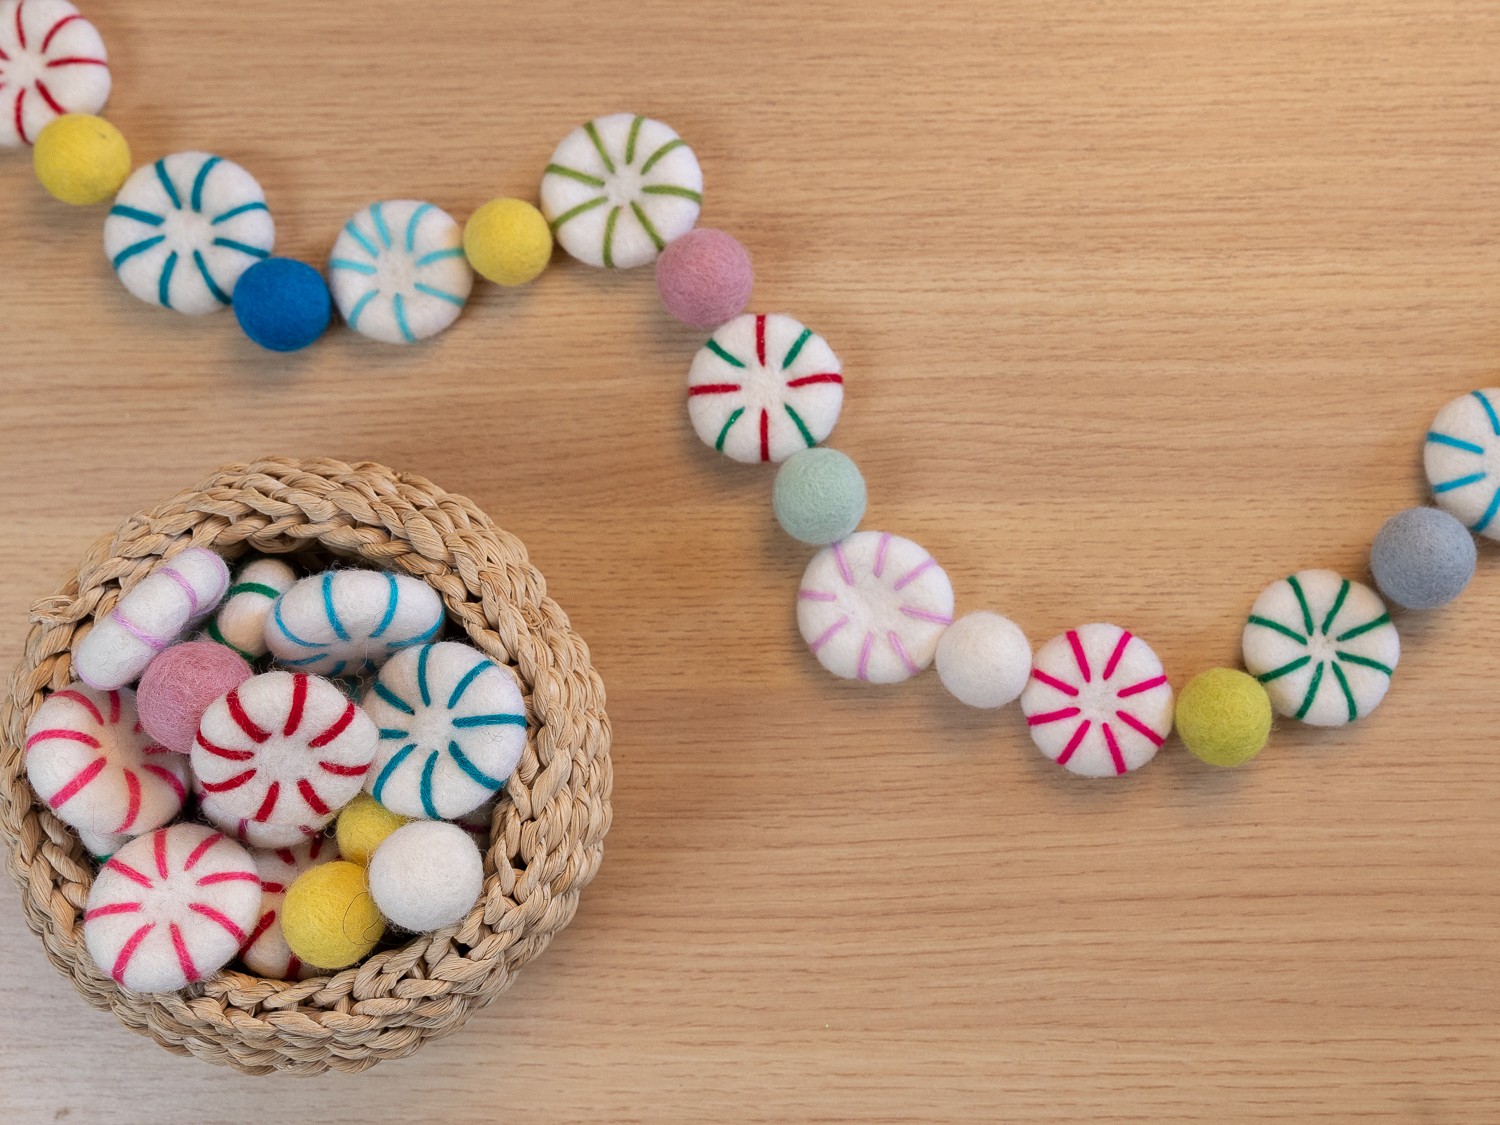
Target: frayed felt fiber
(873, 606)
(150, 617)
(282, 304)
(328, 917)
(172, 908)
(241, 620)
(1224, 717)
(620, 189)
(81, 159)
(180, 683)
(89, 760)
(819, 496)
(344, 622)
(1423, 558)
(1462, 459)
(426, 875)
(1324, 647)
(452, 729)
(185, 228)
(266, 952)
(705, 278)
(984, 660)
(398, 272)
(52, 62)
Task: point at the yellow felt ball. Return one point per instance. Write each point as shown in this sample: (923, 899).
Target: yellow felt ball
(329, 919)
(508, 241)
(81, 159)
(1224, 716)
(363, 824)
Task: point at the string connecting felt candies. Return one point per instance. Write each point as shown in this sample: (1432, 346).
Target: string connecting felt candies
(193, 232)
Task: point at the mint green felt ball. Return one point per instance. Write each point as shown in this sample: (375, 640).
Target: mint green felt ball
(819, 496)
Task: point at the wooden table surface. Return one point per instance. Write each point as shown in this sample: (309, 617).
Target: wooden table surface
(1142, 306)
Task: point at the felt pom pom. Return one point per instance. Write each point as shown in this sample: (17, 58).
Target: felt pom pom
(1324, 647)
(873, 606)
(619, 189)
(452, 729)
(184, 229)
(1224, 717)
(52, 62)
(398, 272)
(426, 875)
(241, 620)
(348, 621)
(819, 496)
(81, 159)
(282, 304)
(89, 760)
(328, 917)
(764, 387)
(1098, 703)
(180, 683)
(1423, 558)
(363, 823)
(704, 278)
(508, 241)
(150, 616)
(266, 953)
(984, 660)
(1463, 448)
(171, 908)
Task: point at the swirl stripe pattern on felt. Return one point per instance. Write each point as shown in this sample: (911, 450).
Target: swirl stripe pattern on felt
(52, 62)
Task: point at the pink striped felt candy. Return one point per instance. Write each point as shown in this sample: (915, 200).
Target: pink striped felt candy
(266, 952)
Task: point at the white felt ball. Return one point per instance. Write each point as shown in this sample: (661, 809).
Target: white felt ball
(764, 387)
(398, 272)
(1462, 458)
(1324, 647)
(52, 62)
(266, 953)
(150, 616)
(1098, 703)
(426, 875)
(182, 231)
(241, 620)
(282, 748)
(342, 622)
(171, 908)
(984, 660)
(452, 728)
(873, 606)
(89, 760)
(619, 189)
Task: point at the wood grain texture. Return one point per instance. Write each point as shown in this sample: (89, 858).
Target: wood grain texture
(1143, 306)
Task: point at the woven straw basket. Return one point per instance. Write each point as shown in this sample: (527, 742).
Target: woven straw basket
(548, 829)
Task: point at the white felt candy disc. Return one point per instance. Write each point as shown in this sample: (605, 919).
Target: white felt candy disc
(171, 908)
(265, 952)
(283, 748)
(1098, 702)
(1324, 647)
(873, 607)
(452, 728)
(1463, 460)
(52, 62)
(241, 620)
(87, 757)
(345, 621)
(255, 833)
(619, 189)
(764, 387)
(182, 231)
(398, 271)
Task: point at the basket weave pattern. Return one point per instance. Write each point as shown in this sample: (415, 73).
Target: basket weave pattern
(549, 826)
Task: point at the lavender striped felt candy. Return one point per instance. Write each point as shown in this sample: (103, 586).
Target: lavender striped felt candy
(150, 616)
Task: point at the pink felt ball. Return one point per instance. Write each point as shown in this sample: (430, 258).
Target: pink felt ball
(704, 278)
(180, 683)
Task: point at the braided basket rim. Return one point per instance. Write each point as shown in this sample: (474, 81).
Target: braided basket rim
(548, 829)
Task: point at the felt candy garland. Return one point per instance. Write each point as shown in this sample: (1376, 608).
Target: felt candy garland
(618, 191)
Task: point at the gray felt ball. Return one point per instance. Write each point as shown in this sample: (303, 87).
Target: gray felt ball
(1422, 558)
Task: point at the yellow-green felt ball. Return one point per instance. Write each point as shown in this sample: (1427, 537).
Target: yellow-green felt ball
(362, 825)
(508, 241)
(329, 919)
(1224, 717)
(81, 159)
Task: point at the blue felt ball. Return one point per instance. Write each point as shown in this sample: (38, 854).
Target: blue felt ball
(1422, 558)
(282, 304)
(819, 496)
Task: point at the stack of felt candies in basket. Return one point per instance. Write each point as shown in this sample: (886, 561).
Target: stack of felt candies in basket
(277, 769)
